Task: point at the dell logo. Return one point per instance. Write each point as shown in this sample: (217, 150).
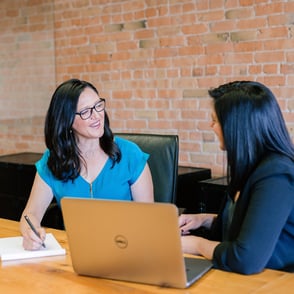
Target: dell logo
(121, 241)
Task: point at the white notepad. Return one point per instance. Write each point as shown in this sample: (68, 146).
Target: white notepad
(11, 248)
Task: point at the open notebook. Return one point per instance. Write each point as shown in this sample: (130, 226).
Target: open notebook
(11, 248)
(131, 241)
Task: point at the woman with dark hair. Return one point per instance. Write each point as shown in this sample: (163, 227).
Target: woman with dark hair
(255, 227)
(83, 159)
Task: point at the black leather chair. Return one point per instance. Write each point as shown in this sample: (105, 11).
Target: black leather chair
(163, 162)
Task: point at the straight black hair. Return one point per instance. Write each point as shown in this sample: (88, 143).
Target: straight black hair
(252, 125)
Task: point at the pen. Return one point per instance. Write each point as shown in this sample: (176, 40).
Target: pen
(33, 228)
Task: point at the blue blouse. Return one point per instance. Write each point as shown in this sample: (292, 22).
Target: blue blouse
(111, 183)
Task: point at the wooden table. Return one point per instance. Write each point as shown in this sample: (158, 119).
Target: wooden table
(56, 275)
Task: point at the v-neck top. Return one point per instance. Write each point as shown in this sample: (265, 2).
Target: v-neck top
(113, 182)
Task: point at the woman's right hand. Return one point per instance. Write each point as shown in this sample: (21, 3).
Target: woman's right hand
(30, 240)
(188, 222)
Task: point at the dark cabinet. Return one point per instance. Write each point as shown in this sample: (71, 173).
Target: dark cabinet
(17, 172)
(188, 193)
(213, 193)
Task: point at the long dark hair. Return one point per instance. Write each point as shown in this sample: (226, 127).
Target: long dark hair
(65, 159)
(252, 125)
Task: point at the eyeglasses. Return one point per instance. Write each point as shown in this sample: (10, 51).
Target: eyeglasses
(87, 112)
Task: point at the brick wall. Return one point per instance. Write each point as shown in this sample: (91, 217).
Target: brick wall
(155, 60)
(27, 72)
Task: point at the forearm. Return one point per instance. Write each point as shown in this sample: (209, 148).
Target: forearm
(206, 247)
(39, 200)
(198, 246)
(24, 225)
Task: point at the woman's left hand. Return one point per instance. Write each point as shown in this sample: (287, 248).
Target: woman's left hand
(198, 246)
(190, 244)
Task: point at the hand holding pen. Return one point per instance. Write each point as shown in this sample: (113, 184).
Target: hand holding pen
(33, 229)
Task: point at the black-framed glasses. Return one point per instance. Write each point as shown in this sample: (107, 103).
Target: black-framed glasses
(87, 112)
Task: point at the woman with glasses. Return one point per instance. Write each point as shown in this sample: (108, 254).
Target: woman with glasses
(83, 158)
(255, 228)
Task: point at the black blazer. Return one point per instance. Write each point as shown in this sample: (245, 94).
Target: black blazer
(262, 229)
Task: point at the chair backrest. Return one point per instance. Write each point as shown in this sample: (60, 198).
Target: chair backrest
(163, 162)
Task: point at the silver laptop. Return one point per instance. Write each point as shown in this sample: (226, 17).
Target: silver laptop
(130, 241)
